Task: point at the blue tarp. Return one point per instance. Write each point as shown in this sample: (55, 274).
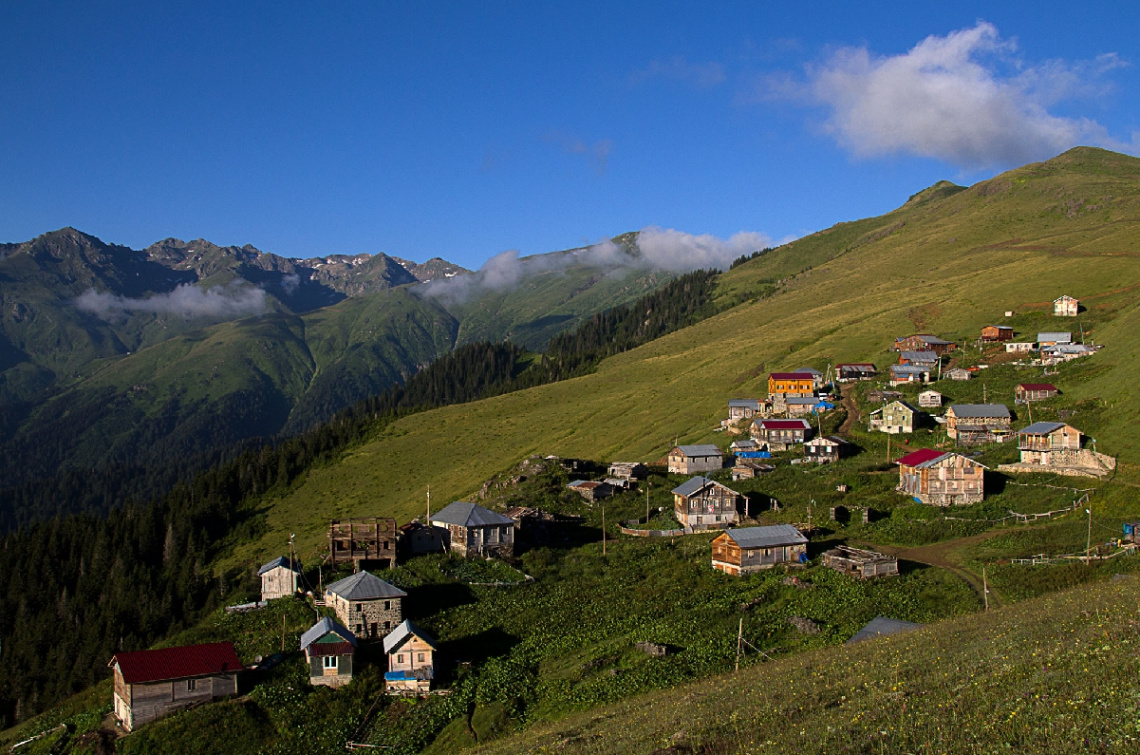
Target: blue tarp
(754, 455)
(823, 406)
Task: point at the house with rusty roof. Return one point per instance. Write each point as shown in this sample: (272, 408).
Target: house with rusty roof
(592, 490)
(940, 478)
(329, 649)
(747, 550)
(150, 684)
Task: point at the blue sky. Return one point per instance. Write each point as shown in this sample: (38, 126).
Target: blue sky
(465, 129)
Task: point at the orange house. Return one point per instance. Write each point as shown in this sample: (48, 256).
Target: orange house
(791, 384)
(995, 333)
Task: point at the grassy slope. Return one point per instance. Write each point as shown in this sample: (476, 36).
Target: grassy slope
(949, 264)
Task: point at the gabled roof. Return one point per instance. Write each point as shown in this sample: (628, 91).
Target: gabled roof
(825, 441)
(1064, 296)
(783, 424)
(881, 625)
(896, 401)
(802, 401)
(1042, 428)
(406, 629)
(1059, 337)
(998, 327)
(855, 365)
(466, 514)
(980, 411)
(585, 484)
(323, 627)
(926, 338)
(920, 356)
(766, 537)
(921, 456)
(701, 449)
(1037, 386)
(365, 586)
(280, 561)
(791, 376)
(695, 484)
(809, 371)
(909, 369)
(142, 666)
(748, 403)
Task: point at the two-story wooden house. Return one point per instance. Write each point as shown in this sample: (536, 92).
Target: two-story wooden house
(1056, 447)
(997, 333)
(789, 384)
(972, 424)
(924, 342)
(1066, 306)
(150, 684)
(853, 371)
(940, 478)
(1027, 392)
(781, 434)
(896, 417)
(367, 605)
(411, 660)
(824, 450)
(702, 504)
(329, 650)
(748, 550)
(690, 459)
(476, 531)
(919, 358)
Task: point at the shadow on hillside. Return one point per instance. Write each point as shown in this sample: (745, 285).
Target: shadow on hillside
(995, 482)
(912, 567)
(428, 600)
(477, 648)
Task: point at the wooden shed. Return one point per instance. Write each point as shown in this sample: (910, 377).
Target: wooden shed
(329, 649)
(853, 371)
(1026, 392)
(150, 684)
(279, 578)
(860, 563)
(748, 550)
(997, 333)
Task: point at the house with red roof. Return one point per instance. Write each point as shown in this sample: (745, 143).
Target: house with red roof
(150, 684)
(791, 384)
(781, 434)
(940, 478)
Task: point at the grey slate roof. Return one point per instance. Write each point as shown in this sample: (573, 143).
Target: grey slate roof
(982, 411)
(1041, 428)
(920, 356)
(766, 537)
(909, 369)
(279, 561)
(323, 627)
(1058, 337)
(406, 629)
(365, 586)
(809, 371)
(466, 514)
(702, 449)
(694, 484)
(881, 625)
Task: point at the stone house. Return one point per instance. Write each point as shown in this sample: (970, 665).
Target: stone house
(702, 504)
(366, 604)
(150, 684)
(329, 649)
(748, 550)
(476, 531)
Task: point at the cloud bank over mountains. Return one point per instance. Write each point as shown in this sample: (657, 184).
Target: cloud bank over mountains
(187, 301)
(662, 249)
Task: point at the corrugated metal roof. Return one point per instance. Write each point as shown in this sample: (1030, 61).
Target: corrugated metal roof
(406, 629)
(365, 586)
(881, 625)
(466, 514)
(921, 456)
(980, 411)
(920, 356)
(791, 376)
(1057, 337)
(1042, 428)
(809, 371)
(695, 484)
(323, 627)
(909, 369)
(142, 666)
(701, 449)
(748, 403)
(783, 424)
(766, 537)
(280, 561)
(1037, 386)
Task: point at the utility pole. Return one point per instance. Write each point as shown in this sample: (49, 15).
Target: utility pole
(888, 447)
(428, 520)
(985, 398)
(985, 588)
(293, 563)
(739, 643)
(810, 502)
(282, 633)
(603, 530)
(1088, 538)
(648, 485)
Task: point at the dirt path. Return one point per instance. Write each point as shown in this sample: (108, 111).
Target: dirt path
(852, 410)
(943, 555)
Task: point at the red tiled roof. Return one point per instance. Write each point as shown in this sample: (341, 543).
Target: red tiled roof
(791, 376)
(143, 666)
(919, 457)
(1037, 386)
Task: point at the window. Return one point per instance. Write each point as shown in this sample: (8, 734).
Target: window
(420, 657)
(399, 657)
(387, 605)
(330, 661)
(190, 685)
(359, 607)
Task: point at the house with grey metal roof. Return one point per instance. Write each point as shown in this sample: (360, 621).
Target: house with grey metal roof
(279, 578)
(1056, 447)
(691, 459)
(747, 550)
(411, 660)
(880, 626)
(918, 358)
(329, 649)
(1054, 338)
(476, 531)
(702, 504)
(909, 373)
(743, 408)
(366, 604)
(973, 424)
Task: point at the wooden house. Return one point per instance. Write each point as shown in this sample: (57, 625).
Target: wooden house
(902, 374)
(894, 418)
(743, 408)
(366, 604)
(860, 563)
(781, 434)
(972, 424)
(150, 684)
(592, 490)
(416, 538)
(744, 445)
(798, 406)
(881, 626)
(789, 384)
(628, 470)
(747, 470)
(941, 479)
(279, 578)
(853, 371)
(816, 376)
(476, 531)
(1020, 347)
(702, 504)
(958, 373)
(748, 550)
(929, 399)
(997, 333)
(883, 396)
(924, 342)
(919, 358)
(1026, 392)
(367, 542)
(702, 457)
(823, 450)
(1056, 447)
(411, 660)
(1066, 306)
(329, 649)
(1053, 338)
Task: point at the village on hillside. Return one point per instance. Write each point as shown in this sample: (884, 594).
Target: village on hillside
(920, 395)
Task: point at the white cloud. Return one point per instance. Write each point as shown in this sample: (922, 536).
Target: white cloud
(187, 301)
(966, 98)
